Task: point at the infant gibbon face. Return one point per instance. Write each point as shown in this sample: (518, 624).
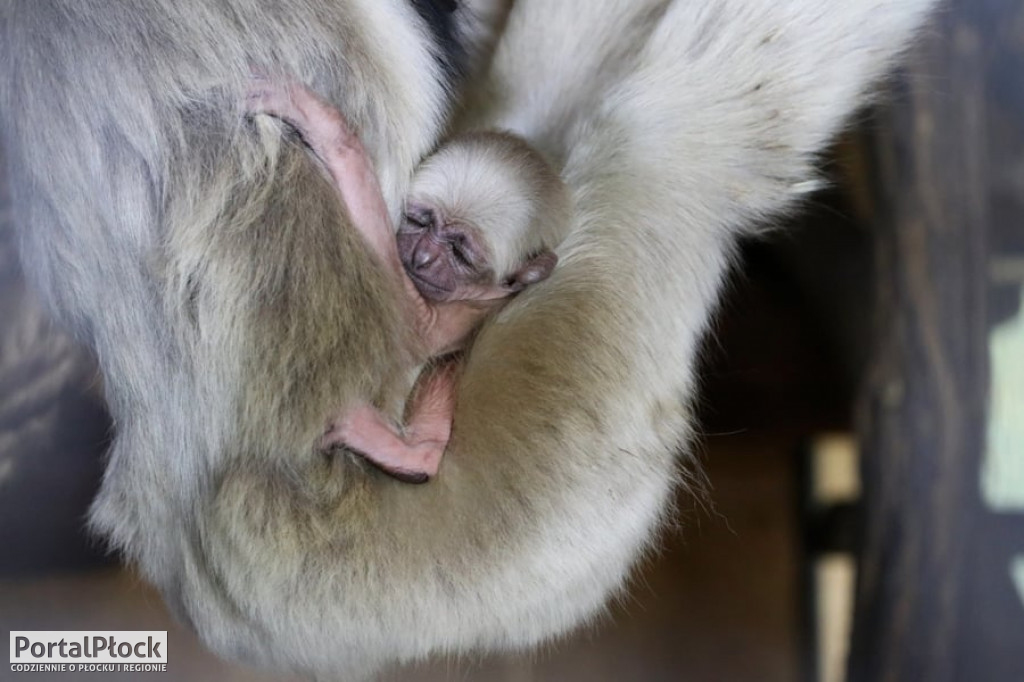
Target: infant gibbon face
(481, 220)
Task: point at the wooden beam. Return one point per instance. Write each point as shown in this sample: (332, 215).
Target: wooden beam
(936, 597)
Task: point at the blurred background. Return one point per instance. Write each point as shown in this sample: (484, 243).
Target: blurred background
(860, 514)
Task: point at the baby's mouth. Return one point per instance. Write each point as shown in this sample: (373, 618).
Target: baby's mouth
(429, 290)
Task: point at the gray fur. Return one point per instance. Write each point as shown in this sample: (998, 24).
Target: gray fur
(233, 309)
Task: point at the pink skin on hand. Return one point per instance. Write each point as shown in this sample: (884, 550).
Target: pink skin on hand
(416, 456)
(327, 133)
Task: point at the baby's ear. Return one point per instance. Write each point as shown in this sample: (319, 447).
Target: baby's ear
(537, 268)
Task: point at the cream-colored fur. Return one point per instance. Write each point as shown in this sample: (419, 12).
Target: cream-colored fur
(495, 182)
(233, 309)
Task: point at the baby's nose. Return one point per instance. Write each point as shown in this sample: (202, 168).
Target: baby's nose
(423, 257)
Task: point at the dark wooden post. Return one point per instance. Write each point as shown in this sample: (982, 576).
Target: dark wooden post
(936, 596)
